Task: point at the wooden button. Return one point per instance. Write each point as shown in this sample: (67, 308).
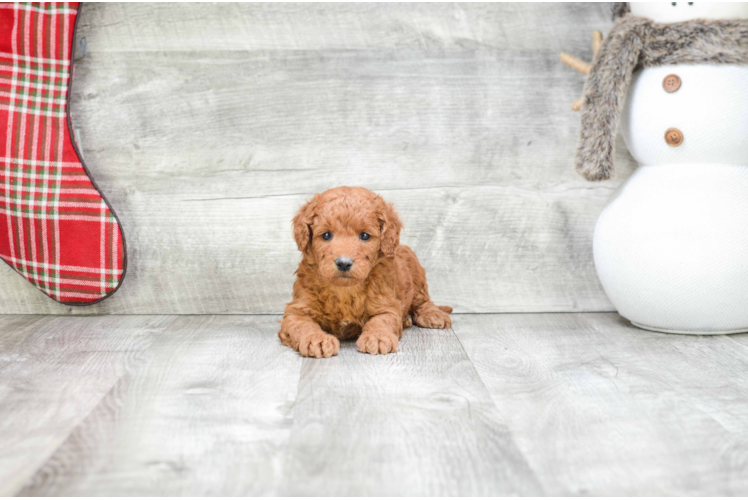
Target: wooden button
(673, 137)
(671, 83)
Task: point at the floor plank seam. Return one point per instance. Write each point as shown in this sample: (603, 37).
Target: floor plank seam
(496, 409)
(84, 418)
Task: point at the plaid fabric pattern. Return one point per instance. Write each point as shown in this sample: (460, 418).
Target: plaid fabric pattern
(56, 230)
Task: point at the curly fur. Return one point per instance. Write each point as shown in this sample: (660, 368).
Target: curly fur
(637, 42)
(383, 292)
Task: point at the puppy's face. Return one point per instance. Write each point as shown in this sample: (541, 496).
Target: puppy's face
(345, 243)
(344, 231)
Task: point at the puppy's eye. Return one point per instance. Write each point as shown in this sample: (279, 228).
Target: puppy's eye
(364, 236)
(327, 236)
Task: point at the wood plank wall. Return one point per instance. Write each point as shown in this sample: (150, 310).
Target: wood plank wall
(207, 125)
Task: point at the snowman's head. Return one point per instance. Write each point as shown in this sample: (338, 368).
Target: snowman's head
(674, 12)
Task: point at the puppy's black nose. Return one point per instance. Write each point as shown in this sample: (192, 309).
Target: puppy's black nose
(344, 263)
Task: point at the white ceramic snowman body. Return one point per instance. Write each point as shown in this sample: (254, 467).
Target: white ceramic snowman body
(671, 245)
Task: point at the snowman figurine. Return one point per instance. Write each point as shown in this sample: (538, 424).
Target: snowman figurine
(671, 245)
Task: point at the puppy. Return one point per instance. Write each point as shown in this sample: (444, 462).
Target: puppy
(354, 279)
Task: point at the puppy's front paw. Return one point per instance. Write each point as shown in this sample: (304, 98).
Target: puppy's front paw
(318, 345)
(377, 342)
(431, 316)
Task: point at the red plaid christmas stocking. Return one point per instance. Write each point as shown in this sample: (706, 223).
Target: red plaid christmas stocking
(56, 229)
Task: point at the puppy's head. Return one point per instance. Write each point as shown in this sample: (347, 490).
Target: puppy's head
(344, 231)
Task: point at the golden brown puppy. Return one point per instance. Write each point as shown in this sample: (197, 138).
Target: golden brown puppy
(354, 279)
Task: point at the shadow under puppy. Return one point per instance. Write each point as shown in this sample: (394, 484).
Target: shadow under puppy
(354, 279)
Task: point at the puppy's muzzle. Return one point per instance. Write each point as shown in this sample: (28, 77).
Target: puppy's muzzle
(344, 263)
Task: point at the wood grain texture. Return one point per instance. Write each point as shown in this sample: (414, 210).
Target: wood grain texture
(54, 372)
(741, 339)
(599, 407)
(419, 422)
(208, 125)
(343, 26)
(557, 404)
(217, 405)
(207, 413)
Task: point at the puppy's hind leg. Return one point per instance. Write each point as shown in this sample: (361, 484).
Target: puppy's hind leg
(429, 315)
(425, 313)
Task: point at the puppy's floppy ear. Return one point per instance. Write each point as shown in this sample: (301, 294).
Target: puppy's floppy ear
(389, 228)
(302, 224)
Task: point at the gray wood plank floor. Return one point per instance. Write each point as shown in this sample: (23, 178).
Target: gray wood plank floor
(562, 404)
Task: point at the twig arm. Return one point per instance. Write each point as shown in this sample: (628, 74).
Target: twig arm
(597, 41)
(583, 67)
(574, 63)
